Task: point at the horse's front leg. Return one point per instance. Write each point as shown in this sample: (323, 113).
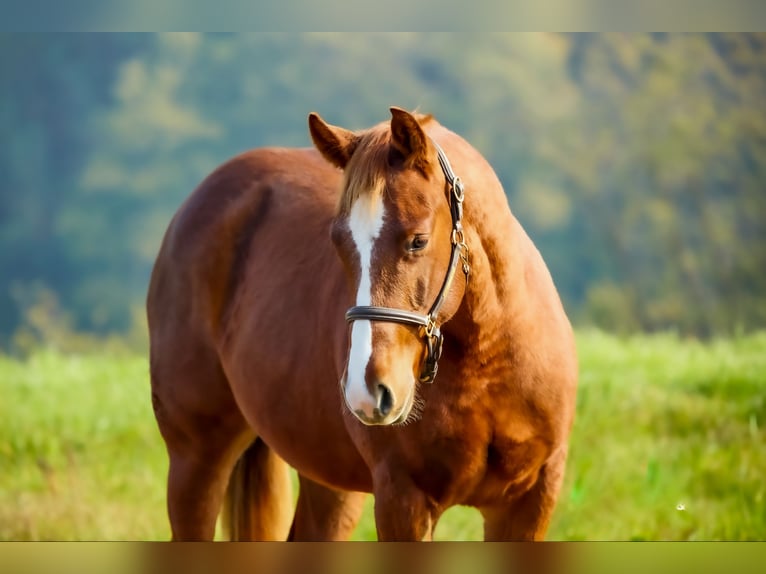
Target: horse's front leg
(528, 517)
(402, 511)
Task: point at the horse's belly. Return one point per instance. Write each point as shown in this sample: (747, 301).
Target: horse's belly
(304, 425)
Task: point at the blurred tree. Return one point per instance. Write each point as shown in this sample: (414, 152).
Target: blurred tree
(636, 162)
(51, 84)
(678, 198)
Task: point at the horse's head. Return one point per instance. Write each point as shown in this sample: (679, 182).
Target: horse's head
(394, 232)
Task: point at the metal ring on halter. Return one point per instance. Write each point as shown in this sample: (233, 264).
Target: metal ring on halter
(458, 237)
(430, 327)
(458, 191)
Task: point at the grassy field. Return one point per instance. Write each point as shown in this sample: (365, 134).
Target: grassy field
(669, 444)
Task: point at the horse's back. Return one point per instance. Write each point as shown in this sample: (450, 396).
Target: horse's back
(209, 241)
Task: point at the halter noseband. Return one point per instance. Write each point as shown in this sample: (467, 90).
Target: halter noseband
(426, 324)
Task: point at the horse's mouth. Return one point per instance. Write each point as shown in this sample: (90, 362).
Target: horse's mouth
(397, 419)
(406, 411)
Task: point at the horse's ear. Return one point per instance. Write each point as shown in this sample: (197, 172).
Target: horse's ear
(336, 144)
(408, 138)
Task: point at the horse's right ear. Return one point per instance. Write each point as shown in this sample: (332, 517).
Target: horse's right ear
(336, 144)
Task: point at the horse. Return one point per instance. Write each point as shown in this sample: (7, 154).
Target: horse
(369, 313)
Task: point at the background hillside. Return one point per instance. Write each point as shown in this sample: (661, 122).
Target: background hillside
(636, 162)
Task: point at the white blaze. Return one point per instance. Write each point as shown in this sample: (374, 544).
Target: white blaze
(365, 222)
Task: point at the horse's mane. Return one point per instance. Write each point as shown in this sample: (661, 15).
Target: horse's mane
(366, 170)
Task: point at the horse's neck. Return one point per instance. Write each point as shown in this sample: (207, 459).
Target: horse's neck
(496, 301)
(495, 295)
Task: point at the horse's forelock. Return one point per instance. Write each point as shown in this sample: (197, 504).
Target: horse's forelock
(366, 170)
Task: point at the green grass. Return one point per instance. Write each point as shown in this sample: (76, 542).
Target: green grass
(661, 422)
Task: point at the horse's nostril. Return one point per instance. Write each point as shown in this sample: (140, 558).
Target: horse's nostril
(385, 400)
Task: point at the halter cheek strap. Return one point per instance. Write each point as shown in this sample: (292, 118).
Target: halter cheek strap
(426, 324)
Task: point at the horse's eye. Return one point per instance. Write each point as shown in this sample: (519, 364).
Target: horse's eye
(417, 243)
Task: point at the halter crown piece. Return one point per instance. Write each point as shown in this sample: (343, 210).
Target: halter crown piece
(426, 324)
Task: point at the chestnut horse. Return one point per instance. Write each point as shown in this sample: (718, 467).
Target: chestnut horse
(299, 307)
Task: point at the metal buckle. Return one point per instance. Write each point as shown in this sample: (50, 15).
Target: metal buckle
(458, 236)
(465, 260)
(458, 190)
(430, 327)
(434, 353)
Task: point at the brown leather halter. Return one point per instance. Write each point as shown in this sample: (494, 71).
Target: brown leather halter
(426, 324)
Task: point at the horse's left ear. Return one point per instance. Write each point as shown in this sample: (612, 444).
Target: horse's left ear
(408, 138)
(336, 144)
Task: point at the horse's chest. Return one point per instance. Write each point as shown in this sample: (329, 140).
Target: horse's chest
(480, 465)
(512, 468)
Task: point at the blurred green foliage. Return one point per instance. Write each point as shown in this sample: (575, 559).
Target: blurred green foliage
(636, 162)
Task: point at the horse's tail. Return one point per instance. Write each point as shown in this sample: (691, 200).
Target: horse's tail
(258, 504)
